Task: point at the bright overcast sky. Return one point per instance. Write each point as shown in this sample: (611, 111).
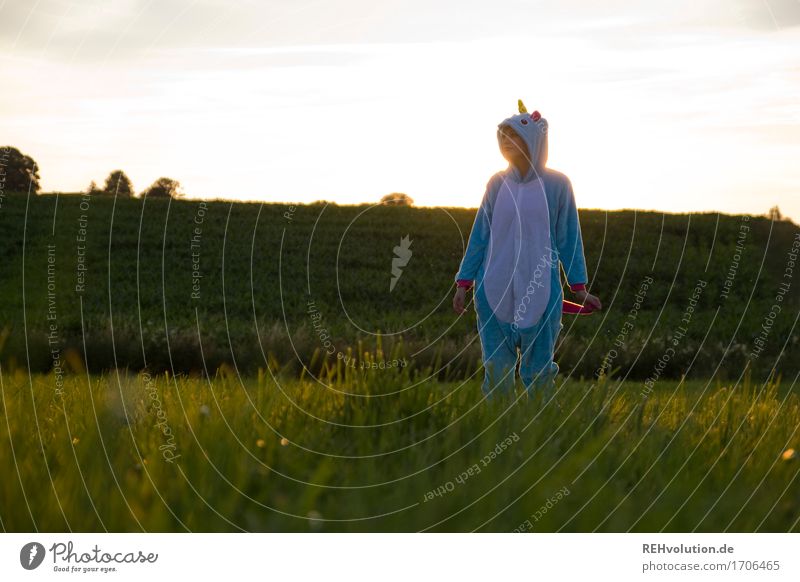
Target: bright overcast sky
(676, 105)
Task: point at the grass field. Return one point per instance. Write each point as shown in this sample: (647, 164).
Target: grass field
(179, 365)
(259, 270)
(390, 452)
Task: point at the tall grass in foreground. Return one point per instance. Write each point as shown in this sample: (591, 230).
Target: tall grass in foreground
(381, 451)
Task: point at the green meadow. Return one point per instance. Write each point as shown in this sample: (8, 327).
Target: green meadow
(391, 452)
(174, 365)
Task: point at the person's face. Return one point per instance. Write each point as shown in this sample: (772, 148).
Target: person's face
(512, 146)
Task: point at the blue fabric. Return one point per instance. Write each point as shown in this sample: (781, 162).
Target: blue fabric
(500, 341)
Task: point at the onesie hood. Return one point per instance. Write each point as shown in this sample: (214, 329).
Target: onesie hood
(533, 129)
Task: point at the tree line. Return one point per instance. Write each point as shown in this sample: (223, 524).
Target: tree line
(20, 173)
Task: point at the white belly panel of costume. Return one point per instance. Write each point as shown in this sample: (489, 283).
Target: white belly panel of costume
(519, 259)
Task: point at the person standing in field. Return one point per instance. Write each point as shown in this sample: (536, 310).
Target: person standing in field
(526, 228)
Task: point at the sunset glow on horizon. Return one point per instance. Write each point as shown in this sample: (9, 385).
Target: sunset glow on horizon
(673, 106)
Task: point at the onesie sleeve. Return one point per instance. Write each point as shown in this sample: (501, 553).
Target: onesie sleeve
(478, 240)
(569, 240)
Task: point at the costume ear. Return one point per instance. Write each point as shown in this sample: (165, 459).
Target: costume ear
(536, 116)
(521, 106)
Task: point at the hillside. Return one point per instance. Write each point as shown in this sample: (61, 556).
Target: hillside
(169, 284)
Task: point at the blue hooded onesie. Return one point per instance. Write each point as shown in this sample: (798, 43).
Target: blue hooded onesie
(525, 227)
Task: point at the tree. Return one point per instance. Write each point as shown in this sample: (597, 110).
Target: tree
(164, 188)
(21, 173)
(397, 199)
(93, 189)
(774, 214)
(118, 184)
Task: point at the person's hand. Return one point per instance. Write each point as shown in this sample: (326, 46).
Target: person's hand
(459, 299)
(586, 298)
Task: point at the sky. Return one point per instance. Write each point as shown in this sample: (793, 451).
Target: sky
(677, 105)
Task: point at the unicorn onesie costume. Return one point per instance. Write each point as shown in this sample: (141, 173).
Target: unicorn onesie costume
(525, 228)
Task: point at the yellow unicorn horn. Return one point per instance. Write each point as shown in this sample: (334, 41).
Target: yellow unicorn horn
(521, 106)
